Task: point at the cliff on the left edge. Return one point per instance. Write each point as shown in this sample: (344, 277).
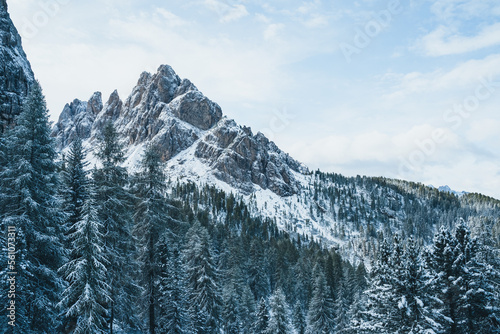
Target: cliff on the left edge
(15, 70)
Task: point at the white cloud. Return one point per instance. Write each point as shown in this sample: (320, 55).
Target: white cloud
(443, 41)
(227, 13)
(463, 79)
(170, 18)
(272, 31)
(484, 129)
(316, 21)
(453, 10)
(376, 147)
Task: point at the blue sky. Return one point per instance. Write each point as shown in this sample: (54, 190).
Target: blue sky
(406, 89)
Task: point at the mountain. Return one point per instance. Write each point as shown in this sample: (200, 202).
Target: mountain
(15, 71)
(203, 147)
(447, 189)
(173, 114)
(237, 237)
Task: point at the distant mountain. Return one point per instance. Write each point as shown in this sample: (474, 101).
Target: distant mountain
(15, 70)
(447, 189)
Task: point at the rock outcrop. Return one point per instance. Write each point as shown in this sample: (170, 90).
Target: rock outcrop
(173, 114)
(15, 70)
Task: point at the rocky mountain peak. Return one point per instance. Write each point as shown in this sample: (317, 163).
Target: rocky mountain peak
(15, 70)
(172, 113)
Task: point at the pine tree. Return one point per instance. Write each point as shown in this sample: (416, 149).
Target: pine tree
(342, 306)
(321, 314)
(443, 285)
(381, 303)
(261, 318)
(298, 319)
(476, 300)
(115, 212)
(279, 322)
(172, 297)
(151, 210)
(74, 184)
(30, 203)
(230, 305)
(85, 298)
(201, 272)
(416, 302)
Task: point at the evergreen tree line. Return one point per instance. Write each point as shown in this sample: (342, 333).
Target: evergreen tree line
(104, 251)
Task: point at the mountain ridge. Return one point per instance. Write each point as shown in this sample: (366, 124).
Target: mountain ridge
(202, 146)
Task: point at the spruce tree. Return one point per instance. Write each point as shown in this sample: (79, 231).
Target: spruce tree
(381, 303)
(87, 295)
(416, 302)
(150, 213)
(279, 321)
(261, 318)
(115, 212)
(321, 314)
(173, 308)
(201, 277)
(30, 203)
(298, 319)
(74, 184)
(443, 284)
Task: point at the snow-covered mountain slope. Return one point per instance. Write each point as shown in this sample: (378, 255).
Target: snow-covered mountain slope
(203, 147)
(15, 70)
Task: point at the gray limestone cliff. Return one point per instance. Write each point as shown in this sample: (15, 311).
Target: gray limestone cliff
(15, 70)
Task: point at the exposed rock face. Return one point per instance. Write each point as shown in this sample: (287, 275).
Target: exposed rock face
(15, 70)
(241, 159)
(76, 120)
(173, 114)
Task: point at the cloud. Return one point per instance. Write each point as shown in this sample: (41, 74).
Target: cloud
(455, 10)
(227, 13)
(375, 147)
(272, 31)
(171, 19)
(442, 41)
(462, 79)
(484, 129)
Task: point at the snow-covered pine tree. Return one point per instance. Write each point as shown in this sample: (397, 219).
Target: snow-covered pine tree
(151, 211)
(74, 184)
(174, 317)
(321, 314)
(279, 314)
(230, 305)
(381, 303)
(261, 318)
(84, 300)
(115, 212)
(416, 302)
(342, 305)
(30, 203)
(202, 277)
(298, 319)
(246, 308)
(258, 278)
(487, 276)
(442, 285)
(476, 301)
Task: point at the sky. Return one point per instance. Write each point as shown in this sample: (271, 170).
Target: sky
(401, 89)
